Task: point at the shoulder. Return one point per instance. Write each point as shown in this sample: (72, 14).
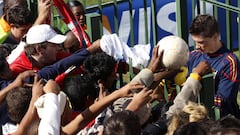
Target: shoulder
(21, 64)
(196, 52)
(195, 55)
(231, 59)
(231, 66)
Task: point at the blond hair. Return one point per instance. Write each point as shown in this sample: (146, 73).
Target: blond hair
(192, 112)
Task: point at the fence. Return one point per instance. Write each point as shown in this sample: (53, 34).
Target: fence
(226, 12)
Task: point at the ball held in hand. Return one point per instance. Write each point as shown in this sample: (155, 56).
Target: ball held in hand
(175, 51)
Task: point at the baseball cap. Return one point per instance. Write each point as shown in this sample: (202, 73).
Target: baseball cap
(43, 33)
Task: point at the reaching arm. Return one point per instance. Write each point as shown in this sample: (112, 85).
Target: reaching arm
(31, 114)
(43, 11)
(51, 116)
(191, 88)
(19, 81)
(90, 113)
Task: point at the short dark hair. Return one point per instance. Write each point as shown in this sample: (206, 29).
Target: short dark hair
(122, 123)
(228, 121)
(77, 88)
(226, 131)
(11, 3)
(205, 25)
(99, 66)
(18, 101)
(6, 49)
(196, 128)
(3, 62)
(74, 3)
(20, 16)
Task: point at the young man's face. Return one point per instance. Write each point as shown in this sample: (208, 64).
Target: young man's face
(19, 32)
(205, 44)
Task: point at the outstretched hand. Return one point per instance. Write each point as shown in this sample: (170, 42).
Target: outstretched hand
(202, 68)
(37, 89)
(20, 80)
(140, 99)
(43, 11)
(155, 64)
(126, 91)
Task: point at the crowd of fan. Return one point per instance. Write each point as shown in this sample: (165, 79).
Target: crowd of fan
(86, 100)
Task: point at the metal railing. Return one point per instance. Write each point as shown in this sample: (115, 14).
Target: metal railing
(229, 12)
(229, 9)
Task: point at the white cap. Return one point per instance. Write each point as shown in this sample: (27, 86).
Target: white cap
(42, 33)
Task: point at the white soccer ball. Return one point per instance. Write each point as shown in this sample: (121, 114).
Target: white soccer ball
(175, 51)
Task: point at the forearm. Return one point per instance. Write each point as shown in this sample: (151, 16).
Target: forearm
(144, 77)
(189, 92)
(95, 47)
(51, 72)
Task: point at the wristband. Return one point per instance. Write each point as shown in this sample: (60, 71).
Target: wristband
(195, 76)
(147, 69)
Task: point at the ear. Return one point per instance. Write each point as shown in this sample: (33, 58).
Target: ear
(12, 25)
(216, 36)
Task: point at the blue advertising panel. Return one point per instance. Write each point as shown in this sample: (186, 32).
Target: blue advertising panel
(165, 23)
(165, 20)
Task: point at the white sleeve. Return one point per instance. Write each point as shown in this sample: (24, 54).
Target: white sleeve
(50, 121)
(144, 77)
(113, 46)
(16, 52)
(189, 92)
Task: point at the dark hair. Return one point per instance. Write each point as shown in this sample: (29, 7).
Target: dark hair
(6, 49)
(74, 3)
(20, 16)
(204, 25)
(228, 121)
(18, 101)
(190, 129)
(11, 3)
(99, 66)
(197, 128)
(77, 88)
(3, 62)
(226, 131)
(122, 123)
(157, 128)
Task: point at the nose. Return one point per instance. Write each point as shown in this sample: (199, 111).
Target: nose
(198, 46)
